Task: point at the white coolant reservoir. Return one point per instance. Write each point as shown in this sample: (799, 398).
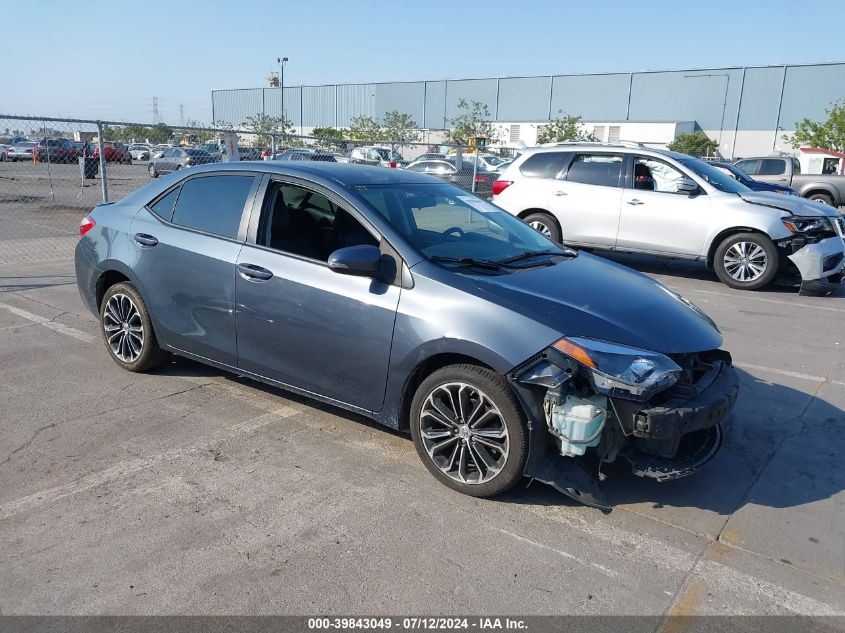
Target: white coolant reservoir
(579, 422)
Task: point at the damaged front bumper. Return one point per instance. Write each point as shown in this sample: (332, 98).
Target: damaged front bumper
(671, 434)
(820, 264)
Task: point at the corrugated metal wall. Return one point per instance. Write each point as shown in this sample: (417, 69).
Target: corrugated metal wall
(758, 98)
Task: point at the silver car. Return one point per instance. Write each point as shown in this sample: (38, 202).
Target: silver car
(630, 198)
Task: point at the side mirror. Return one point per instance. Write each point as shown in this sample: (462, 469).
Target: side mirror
(687, 185)
(361, 261)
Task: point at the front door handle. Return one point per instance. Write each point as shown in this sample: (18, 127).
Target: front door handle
(251, 272)
(145, 240)
(558, 193)
(635, 202)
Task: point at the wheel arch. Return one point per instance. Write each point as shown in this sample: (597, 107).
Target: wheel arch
(424, 369)
(826, 190)
(721, 237)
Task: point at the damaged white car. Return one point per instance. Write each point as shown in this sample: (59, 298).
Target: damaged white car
(629, 198)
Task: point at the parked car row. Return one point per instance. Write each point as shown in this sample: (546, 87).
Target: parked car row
(642, 200)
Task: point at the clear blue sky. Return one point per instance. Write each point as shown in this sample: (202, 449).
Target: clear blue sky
(107, 59)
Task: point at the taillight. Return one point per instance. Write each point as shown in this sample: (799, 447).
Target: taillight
(500, 185)
(479, 178)
(86, 225)
(393, 164)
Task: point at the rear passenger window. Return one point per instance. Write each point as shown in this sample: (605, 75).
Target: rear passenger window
(213, 204)
(164, 207)
(544, 164)
(772, 167)
(596, 169)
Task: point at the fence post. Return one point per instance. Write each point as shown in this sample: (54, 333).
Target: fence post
(272, 146)
(103, 176)
(475, 167)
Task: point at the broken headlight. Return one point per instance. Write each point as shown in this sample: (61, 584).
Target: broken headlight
(619, 370)
(816, 225)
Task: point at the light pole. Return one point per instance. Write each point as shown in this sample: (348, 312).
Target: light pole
(282, 61)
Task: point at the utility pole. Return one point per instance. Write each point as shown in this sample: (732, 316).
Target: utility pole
(282, 61)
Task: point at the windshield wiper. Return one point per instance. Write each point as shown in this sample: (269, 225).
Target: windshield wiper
(467, 261)
(566, 252)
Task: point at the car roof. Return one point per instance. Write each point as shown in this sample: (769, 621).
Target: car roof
(625, 148)
(340, 173)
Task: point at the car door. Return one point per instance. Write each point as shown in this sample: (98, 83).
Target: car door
(772, 170)
(164, 164)
(655, 216)
(300, 323)
(186, 244)
(586, 198)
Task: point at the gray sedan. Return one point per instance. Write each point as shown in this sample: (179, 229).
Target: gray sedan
(401, 297)
(175, 158)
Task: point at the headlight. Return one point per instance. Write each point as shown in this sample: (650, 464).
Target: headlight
(619, 370)
(807, 225)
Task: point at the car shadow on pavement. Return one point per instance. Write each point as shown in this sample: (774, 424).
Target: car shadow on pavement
(782, 448)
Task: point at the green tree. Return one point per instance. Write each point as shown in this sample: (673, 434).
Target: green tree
(264, 126)
(696, 144)
(399, 129)
(327, 133)
(365, 128)
(474, 121)
(159, 133)
(829, 134)
(564, 128)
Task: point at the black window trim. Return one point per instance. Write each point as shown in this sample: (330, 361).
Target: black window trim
(258, 205)
(245, 212)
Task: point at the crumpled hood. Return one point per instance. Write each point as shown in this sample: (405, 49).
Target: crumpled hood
(593, 297)
(795, 205)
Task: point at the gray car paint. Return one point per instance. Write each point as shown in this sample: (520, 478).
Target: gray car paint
(341, 347)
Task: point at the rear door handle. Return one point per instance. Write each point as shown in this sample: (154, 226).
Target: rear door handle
(145, 240)
(635, 202)
(558, 193)
(251, 272)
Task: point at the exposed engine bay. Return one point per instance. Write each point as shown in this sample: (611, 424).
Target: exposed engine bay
(599, 400)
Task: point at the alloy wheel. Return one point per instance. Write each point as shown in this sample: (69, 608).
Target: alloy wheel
(541, 228)
(464, 433)
(745, 261)
(124, 328)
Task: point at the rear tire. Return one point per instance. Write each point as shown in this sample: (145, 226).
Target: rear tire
(127, 330)
(746, 261)
(153, 171)
(545, 224)
(823, 198)
(469, 430)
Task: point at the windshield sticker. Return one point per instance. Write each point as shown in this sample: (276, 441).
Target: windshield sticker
(478, 204)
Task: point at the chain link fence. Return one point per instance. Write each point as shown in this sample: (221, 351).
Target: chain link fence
(52, 170)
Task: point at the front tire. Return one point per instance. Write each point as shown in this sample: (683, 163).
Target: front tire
(127, 330)
(469, 430)
(544, 224)
(746, 261)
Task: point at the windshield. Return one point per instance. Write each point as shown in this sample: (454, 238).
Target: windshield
(494, 160)
(442, 221)
(721, 181)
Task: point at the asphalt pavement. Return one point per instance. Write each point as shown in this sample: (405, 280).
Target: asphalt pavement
(188, 490)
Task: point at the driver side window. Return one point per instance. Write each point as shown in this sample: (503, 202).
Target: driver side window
(305, 223)
(655, 175)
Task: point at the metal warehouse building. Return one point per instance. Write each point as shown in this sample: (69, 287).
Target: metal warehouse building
(747, 109)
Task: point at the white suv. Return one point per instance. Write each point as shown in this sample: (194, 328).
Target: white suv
(631, 198)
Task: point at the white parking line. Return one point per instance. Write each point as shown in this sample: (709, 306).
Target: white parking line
(61, 328)
(791, 374)
(751, 297)
(131, 466)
